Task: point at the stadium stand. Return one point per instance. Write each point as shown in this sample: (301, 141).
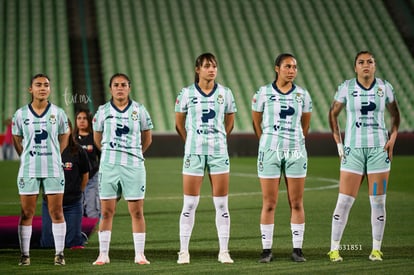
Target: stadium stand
(156, 43)
(34, 40)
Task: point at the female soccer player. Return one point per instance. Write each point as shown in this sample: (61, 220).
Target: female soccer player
(40, 131)
(122, 131)
(367, 150)
(204, 117)
(281, 114)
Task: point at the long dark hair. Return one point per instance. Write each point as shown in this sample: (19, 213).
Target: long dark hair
(72, 144)
(200, 60)
(280, 59)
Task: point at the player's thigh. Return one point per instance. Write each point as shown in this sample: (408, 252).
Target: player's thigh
(133, 181)
(269, 164)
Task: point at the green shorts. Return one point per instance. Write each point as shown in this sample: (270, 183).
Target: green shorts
(195, 165)
(31, 186)
(363, 161)
(271, 164)
(117, 180)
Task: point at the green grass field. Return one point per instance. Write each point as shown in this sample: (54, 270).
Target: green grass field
(163, 205)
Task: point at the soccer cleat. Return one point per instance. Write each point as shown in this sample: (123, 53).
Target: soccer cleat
(334, 256)
(375, 255)
(24, 260)
(102, 259)
(140, 259)
(297, 255)
(224, 258)
(59, 259)
(266, 256)
(183, 258)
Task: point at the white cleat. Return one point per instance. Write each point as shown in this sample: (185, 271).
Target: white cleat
(183, 258)
(140, 259)
(102, 260)
(224, 258)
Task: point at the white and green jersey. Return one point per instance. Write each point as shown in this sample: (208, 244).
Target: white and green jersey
(365, 125)
(121, 132)
(206, 133)
(40, 157)
(282, 113)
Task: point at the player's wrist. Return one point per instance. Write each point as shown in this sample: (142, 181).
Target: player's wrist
(340, 148)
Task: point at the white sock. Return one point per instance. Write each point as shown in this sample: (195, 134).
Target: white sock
(378, 218)
(59, 234)
(187, 217)
(267, 235)
(25, 234)
(222, 221)
(104, 241)
(340, 218)
(139, 243)
(298, 231)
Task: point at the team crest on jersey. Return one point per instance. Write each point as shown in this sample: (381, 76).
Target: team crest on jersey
(187, 162)
(298, 98)
(260, 166)
(21, 183)
(380, 92)
(52, 119)
(134, 115)
(220, 99)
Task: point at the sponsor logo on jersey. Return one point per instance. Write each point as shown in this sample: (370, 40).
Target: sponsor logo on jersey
(286, 111)
(67, 166)
(208, 114)
(367, 106)
(40, 135)
(121, 130)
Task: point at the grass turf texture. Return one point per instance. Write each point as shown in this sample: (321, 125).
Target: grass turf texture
(163, 205)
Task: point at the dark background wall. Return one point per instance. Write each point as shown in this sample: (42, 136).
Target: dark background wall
(318, 144)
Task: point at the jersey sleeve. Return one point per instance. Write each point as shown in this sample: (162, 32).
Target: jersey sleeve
(389, 91)
(63, 122)
(257, 102)
(307, 104)
(181, 105)
(97, 122)
(231, 103)
(146, 122)
(341, 93)
(17, 124)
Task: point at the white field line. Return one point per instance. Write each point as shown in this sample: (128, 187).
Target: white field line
(246, 175)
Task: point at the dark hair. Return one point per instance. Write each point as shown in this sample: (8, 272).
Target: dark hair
(279, 59)
(360, 53)
(119, 75)
(200, 60)
(72, 144)
(88, 117)
(37, 76)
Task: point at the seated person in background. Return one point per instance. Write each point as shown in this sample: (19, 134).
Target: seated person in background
(76, 167)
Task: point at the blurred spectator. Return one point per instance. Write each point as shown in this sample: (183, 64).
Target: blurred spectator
(76, 167)
(8, 150)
